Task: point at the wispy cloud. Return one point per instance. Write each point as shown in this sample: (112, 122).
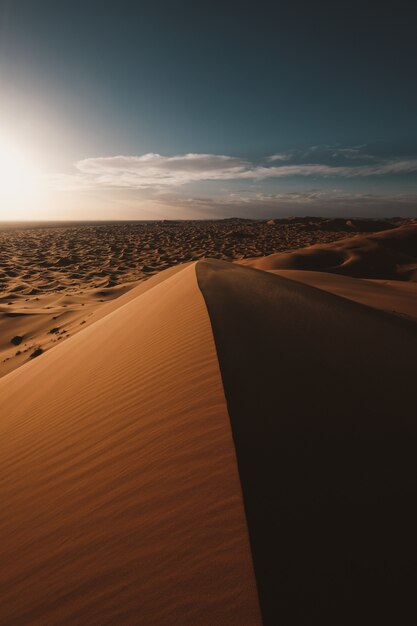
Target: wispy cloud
(280, 156)
(151, 169)
(351, 153)
(327, 171)
(154, 171)
(324, 153)
(330, 202)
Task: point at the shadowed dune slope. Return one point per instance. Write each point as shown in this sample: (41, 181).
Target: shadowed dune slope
(121, 500)
(321, 396)
(394, 296)
(391, 254)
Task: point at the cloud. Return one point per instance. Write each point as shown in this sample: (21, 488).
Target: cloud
(281, 156)
(323, 153)
(157, 172)
(327, 171)
(150, 170)
(352, 154)
(332, 202)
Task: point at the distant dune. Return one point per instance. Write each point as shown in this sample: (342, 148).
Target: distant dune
(379, 270)
(391, 254)
(221, 445)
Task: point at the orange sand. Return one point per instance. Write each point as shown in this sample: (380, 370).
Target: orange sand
(140, 454)
(121, 497)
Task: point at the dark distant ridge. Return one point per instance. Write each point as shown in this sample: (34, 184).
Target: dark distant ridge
(363, 225)
(311, 222)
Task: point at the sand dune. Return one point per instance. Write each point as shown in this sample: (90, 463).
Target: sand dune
(378, 270)
(394, 296)
(391, 254)
(216, 444)
(54, 278)
(43, 323)
(118, 472)
(43, 259)
(321, 396)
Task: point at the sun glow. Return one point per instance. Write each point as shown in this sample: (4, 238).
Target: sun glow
(16, 169)
(20, 181)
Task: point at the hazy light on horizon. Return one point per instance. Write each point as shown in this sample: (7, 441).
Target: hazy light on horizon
(19, 179)
(201, 110)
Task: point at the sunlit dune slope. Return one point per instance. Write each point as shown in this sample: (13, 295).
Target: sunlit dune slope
(48, 319)
(121, 500)
(391, 254)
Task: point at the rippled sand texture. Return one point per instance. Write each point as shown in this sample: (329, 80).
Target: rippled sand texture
(66, 258)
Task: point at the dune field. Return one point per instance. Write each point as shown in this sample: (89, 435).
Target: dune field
(54, 278)
(228, 442)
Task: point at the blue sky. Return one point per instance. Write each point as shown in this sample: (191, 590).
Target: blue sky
(191, 109)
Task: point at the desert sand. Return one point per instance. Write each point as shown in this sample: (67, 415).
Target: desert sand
(390, 254)
(222, 443)
(54, 278)
(321, 396)
(378, 270)
(118, 470)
